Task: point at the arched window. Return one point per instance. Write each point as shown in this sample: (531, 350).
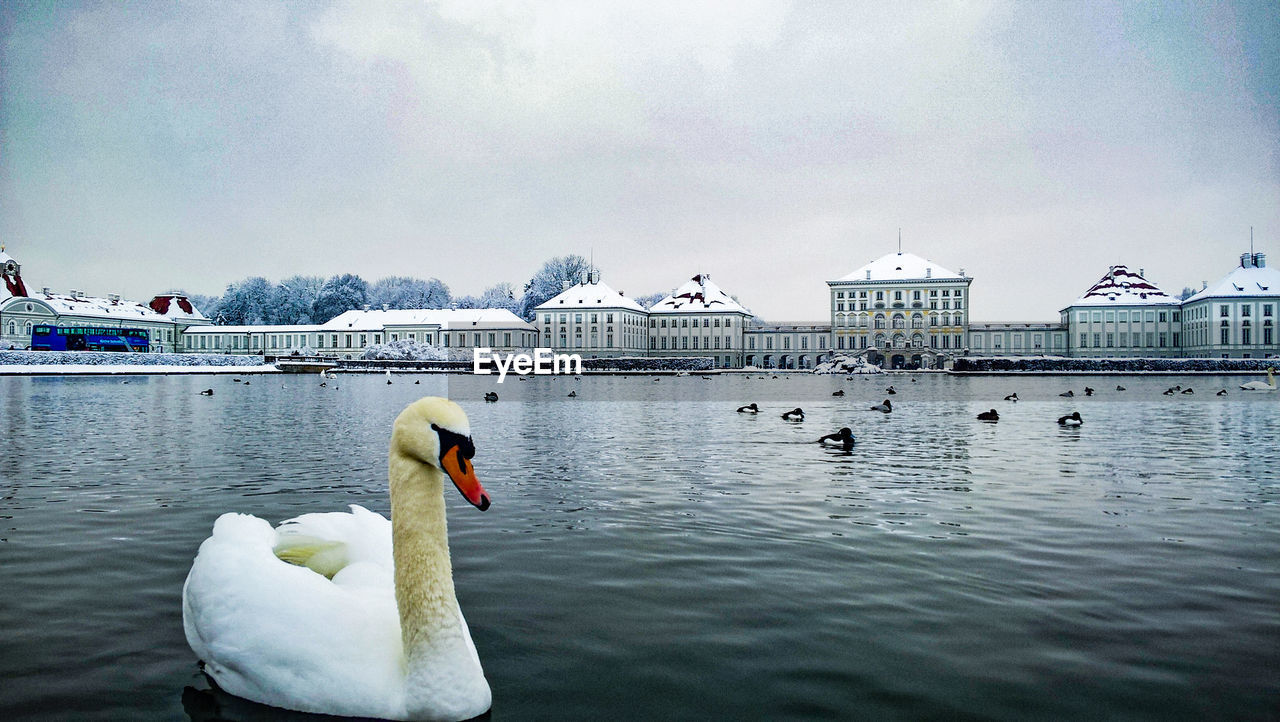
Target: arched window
(28, 329)
(899, 321)
(13, 328)
(879, 321)
(917, 322)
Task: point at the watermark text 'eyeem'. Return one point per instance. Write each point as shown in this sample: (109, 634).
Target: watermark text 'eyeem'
(542, 362)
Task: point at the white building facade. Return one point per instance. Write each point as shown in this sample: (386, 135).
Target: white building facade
(902, 311)
(699, 319)
(592, 319)
(1235, 317)
(1124, 315)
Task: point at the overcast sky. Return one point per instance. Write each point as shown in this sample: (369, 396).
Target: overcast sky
(147, 146)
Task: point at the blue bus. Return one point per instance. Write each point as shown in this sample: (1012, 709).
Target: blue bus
(89, 338)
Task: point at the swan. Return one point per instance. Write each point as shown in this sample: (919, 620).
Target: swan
(348, 613)
(1270, 385)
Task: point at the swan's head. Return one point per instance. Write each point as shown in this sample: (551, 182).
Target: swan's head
(435, 431)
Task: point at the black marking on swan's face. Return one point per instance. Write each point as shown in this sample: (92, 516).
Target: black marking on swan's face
(450, 439)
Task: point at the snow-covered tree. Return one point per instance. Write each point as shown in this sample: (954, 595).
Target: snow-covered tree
(245, 303)
(466, 302)
(293, 299)
(1187, 292)
(501, 295)
(650, 299)
(338, 295)
(405, 292)
(208, 305)
(548, 281)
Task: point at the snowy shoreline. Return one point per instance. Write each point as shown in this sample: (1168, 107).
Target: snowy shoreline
(127, 370)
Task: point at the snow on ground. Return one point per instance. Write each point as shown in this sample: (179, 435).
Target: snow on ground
(94, 362)
(847, 365)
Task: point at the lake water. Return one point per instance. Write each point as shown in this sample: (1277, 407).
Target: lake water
(650, 554)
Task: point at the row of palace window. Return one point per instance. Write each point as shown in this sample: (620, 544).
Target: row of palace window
(1124, 339)
(786, 343)
(899, 321)
(269, 342)
(708, 342)
(1127, 316)
(1016, 341)
(627, 318)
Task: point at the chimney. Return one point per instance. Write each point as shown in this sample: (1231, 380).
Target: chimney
(1245, 260)
(868, 274)
(564, 285)
(928, 272)
(1142, 272)
(1260, 260)
(962, 273)
(386, 306)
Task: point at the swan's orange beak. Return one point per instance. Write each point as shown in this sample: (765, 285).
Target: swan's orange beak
(463, 474)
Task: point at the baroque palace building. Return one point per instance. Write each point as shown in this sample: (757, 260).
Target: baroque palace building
(898, 311)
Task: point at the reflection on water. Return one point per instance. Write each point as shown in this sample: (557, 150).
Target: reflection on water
(650, 553)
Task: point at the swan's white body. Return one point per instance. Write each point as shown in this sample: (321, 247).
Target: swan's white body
(1270, 385)
(383, 638)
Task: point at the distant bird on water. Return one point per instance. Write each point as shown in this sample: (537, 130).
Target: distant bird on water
(989, 416)
(890, 390)
(844, 438)
(1088, 391)
(1268, 385)
(207, 392)
(1221, 393)
(491, 397)
(1071, 420)
(750, 408)
(1119, 388)
(1012, 397)
(796, 414)
(886, 407)
(838, 393)
(573, 394)
(1172, 390)
(1188, 390)
(1068, 393)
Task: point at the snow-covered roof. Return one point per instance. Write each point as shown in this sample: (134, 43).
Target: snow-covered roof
(445, 318)
(1251, 280)
(177, 307)
(899, 267)
(91, 307)
(1123, 287)
(698, 295)
(597, 294)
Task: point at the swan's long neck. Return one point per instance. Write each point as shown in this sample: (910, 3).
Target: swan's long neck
(420, 547)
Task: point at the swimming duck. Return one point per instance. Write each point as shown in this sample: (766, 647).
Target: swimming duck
(1073, 419)
(842, 438)
(491, 396)
(1012, 397)
(1088, 391)
(886, 407)
(573, 394)
(1068, 393)
(207, 392)
(348, 613)
(1270, 384)
(890, 390)
(417, 381)
(838, 393)
(1119, 388)
(1188, 390)
(749, 409)
(989, 416)
(796, 414)
(1172, 390)
(236, 380)
(1221, 393)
